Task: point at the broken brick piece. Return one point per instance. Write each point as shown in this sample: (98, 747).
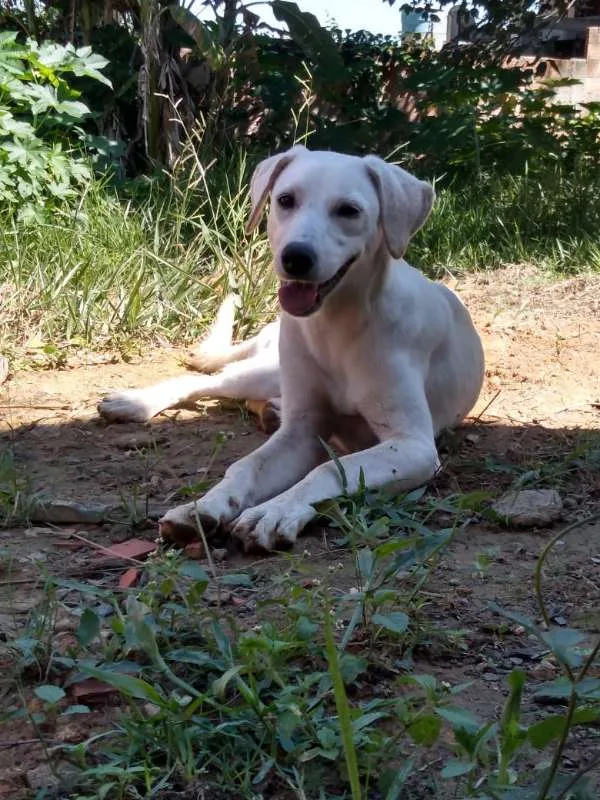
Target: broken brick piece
(68, 544)
(195, 550)
(132, 548)
(91, 690)
(129, 578)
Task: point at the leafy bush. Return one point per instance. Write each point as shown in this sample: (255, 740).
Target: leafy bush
(41, 141)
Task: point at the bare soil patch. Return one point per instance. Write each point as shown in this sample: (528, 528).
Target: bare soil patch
(538, 421)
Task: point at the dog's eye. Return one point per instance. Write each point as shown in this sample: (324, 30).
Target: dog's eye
(286, 201)
(347, 210)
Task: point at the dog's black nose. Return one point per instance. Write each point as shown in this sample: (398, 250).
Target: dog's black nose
(298, 258)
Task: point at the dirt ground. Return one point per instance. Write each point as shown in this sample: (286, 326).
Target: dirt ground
(540, 404)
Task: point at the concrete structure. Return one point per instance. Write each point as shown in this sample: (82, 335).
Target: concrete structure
(569, 47)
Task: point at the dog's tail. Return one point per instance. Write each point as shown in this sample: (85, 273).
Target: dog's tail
(216, 349)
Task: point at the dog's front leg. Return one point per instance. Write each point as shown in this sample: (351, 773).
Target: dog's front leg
(406, 457)
(404, 463)
(271, 469)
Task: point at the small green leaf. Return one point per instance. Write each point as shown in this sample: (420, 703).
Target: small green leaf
(126, 684)
(459, 718)
(393, 782)
(366, 720)
(50, 694)
(221, 684)
(193, 570)
(89, 627)
(455, 769)
(287, 723)
(237, 579)
(76, 709)
(562, 642)
(551, 728)
(425, 730)
(351, 667)
(395, 621)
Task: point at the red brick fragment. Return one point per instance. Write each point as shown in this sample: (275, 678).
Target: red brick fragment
(91, 690)
(195, 550)
(132, 548)
(129, 578)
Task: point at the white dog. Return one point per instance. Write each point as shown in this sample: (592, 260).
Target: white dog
(370, 351)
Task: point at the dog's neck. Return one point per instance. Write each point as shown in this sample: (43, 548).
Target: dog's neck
(359, 291)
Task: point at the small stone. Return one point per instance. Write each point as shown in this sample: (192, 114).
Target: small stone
(220, 554)
(150, 710)
(545, 670)
(65, 622)
(42, 777)
(529, 508)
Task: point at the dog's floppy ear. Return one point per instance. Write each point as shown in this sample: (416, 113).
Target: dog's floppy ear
(404, 200)
(263, 180)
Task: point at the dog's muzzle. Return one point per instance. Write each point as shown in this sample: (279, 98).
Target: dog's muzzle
(303, 298)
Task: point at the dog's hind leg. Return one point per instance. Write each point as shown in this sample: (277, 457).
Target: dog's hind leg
(268, 413)
(217, 350)
(255, 379)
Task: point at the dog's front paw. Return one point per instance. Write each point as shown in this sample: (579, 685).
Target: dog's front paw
(273, 524)
(180, 524)
(129, 406)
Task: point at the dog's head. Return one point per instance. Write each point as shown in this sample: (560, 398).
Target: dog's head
(328, 211)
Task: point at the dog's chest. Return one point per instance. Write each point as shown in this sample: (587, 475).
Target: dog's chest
(338, 377)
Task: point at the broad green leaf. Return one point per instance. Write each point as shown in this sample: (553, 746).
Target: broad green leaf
(455, 769)
(425, 730)
(76, 709)
(315, 41)
(551, 728)
(459, 718)
(126, 684)
(366, 720)
(287, 724)
(88, 628)
(392, 783)
(50, 694)
(192, 655)
(221, 684)
(351, 667)
(364, 562)
(207, 44)
(395, 621)
(562, 642)
(193, 570)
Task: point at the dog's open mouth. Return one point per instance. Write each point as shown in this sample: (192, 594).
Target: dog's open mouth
(302, 298)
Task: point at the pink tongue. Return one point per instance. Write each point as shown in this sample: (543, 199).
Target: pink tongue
(298, 298)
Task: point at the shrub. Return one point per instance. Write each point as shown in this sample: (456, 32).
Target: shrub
(42, 157)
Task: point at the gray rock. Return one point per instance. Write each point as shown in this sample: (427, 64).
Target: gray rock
(530, 508)
(42, 778)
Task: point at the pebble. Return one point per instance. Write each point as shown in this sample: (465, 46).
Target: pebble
(530, 508)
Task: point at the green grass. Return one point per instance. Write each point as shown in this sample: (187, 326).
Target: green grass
(286, 698)
(547, 220)
(113, 270)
